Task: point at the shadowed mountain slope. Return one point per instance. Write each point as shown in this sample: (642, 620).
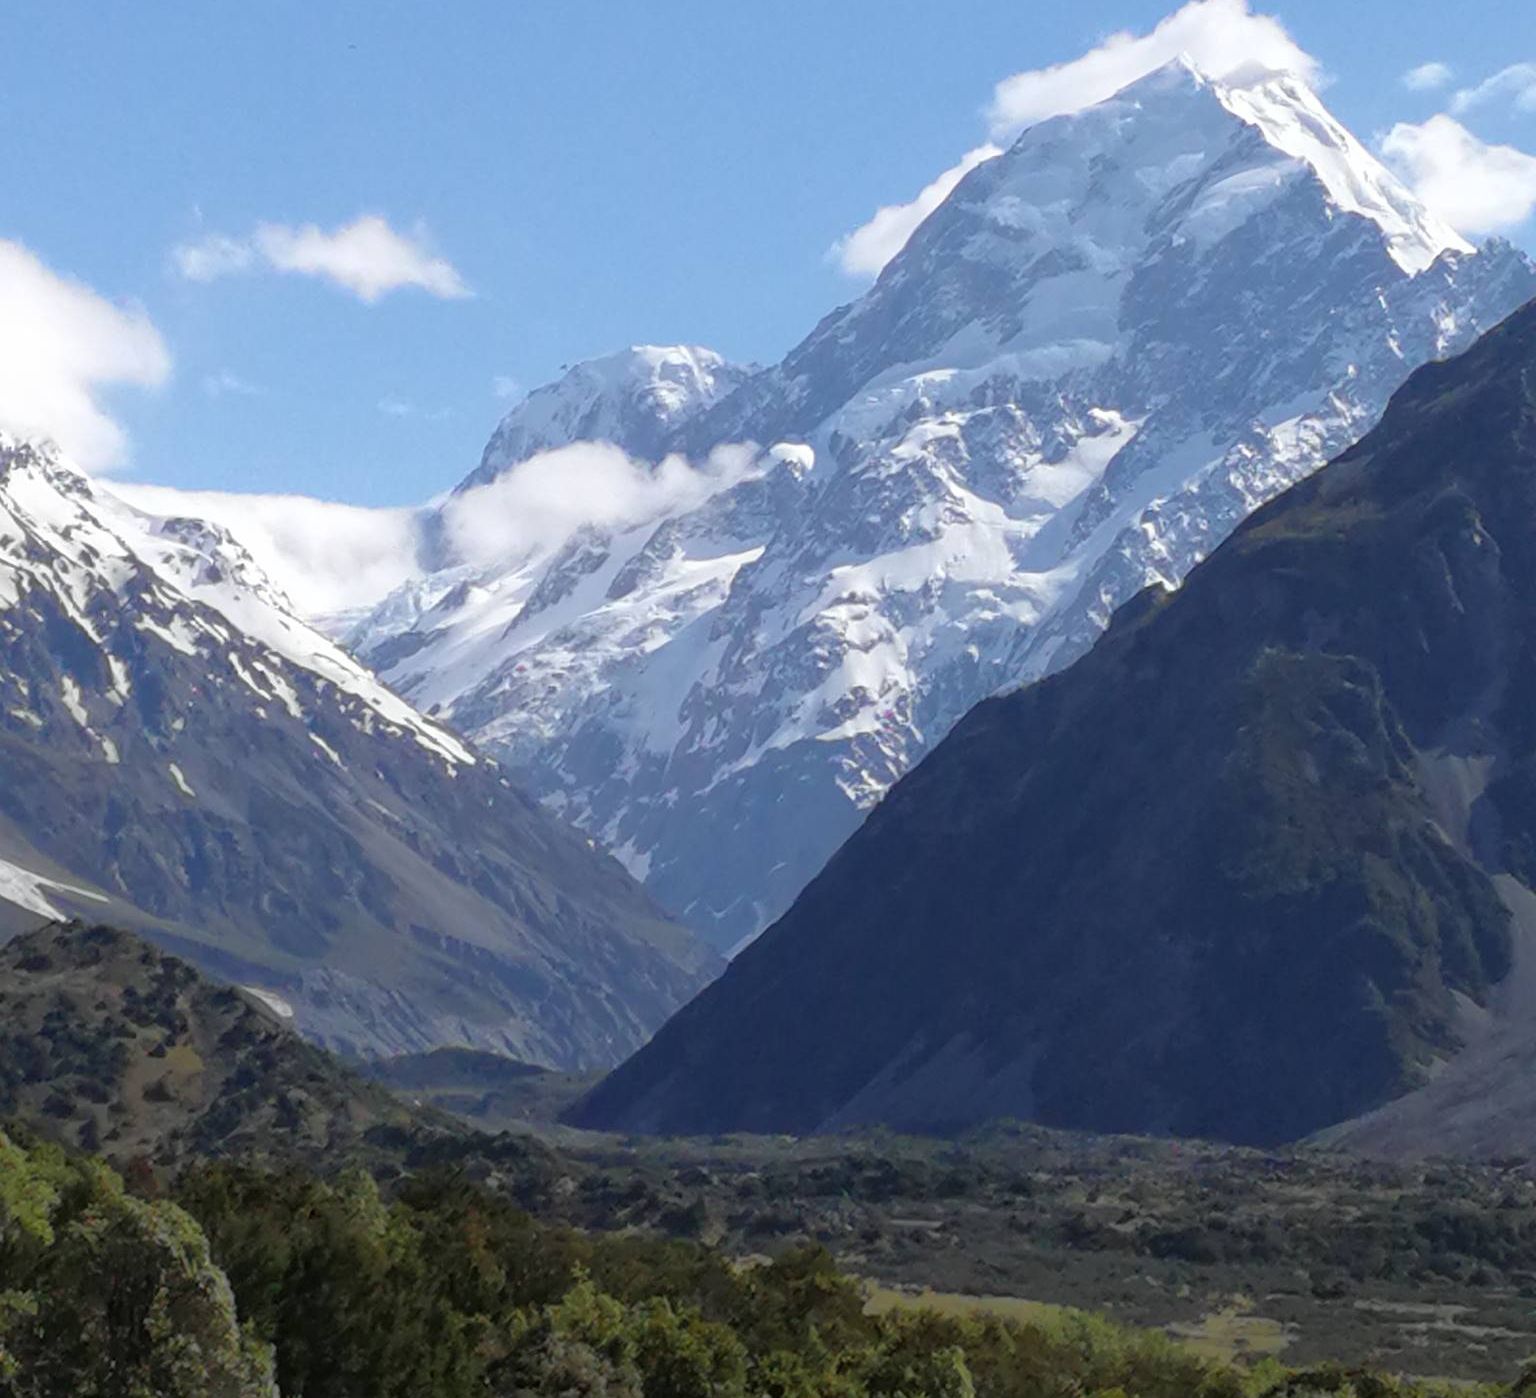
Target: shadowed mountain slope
(1230, 875)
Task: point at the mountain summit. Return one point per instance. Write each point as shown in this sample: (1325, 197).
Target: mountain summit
(1102, 351)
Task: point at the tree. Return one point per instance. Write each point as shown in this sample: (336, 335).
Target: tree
(109, 1296)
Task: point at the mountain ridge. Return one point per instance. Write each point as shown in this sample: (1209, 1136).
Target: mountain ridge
(185, 755)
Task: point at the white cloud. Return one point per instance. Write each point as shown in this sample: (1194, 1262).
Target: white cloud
(1476, 187)
(504, 386)
(366, 257)
(62, 344)
(404, 407)
(334, 560)
(1223, 38)
(1515, 84)
(328, 558)
(865, 251)
(1427, 77)
(543, 501)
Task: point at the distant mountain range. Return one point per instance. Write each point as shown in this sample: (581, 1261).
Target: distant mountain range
(180, 753)
(1106, 347)
(711, 614)
(1259, 863)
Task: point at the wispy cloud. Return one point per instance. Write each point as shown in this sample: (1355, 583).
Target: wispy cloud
(1515, 85)
(1477, 187)
(68, 342)
(392, 406)
(1221, 37)
(333, 559)
(327, 557)
(865, 251)
(543, 501)
(366, 257)
(212, 257)
(227, 382)
(505, 387)
(1427, 77)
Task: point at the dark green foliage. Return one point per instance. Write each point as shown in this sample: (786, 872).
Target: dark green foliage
(103, 1295)
(449, 1291)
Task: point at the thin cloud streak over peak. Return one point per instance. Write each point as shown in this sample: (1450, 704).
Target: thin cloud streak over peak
(1220, 37)
(366, 257)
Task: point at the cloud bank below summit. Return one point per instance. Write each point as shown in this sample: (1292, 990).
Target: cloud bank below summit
(335, 560)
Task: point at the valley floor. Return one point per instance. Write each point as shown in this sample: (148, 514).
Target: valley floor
(1307, 1256)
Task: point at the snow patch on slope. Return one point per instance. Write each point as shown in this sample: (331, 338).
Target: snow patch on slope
(25, 889)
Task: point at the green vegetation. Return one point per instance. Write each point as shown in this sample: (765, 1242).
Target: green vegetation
(103, 1295)
(246, 1277)
(1426, 1268)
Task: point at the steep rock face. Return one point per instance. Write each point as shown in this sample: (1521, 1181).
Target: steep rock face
(1101, 352)
(1242, 871)
(182, 753)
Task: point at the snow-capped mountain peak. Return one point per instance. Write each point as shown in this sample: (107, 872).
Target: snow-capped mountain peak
(634, 399)
(1292, 119)
(95, 539)
(1107, 346)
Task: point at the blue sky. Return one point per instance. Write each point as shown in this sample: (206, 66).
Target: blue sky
(590, 174)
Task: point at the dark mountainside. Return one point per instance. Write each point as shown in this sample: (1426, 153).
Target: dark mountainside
(285, 825)
(1231, 875)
